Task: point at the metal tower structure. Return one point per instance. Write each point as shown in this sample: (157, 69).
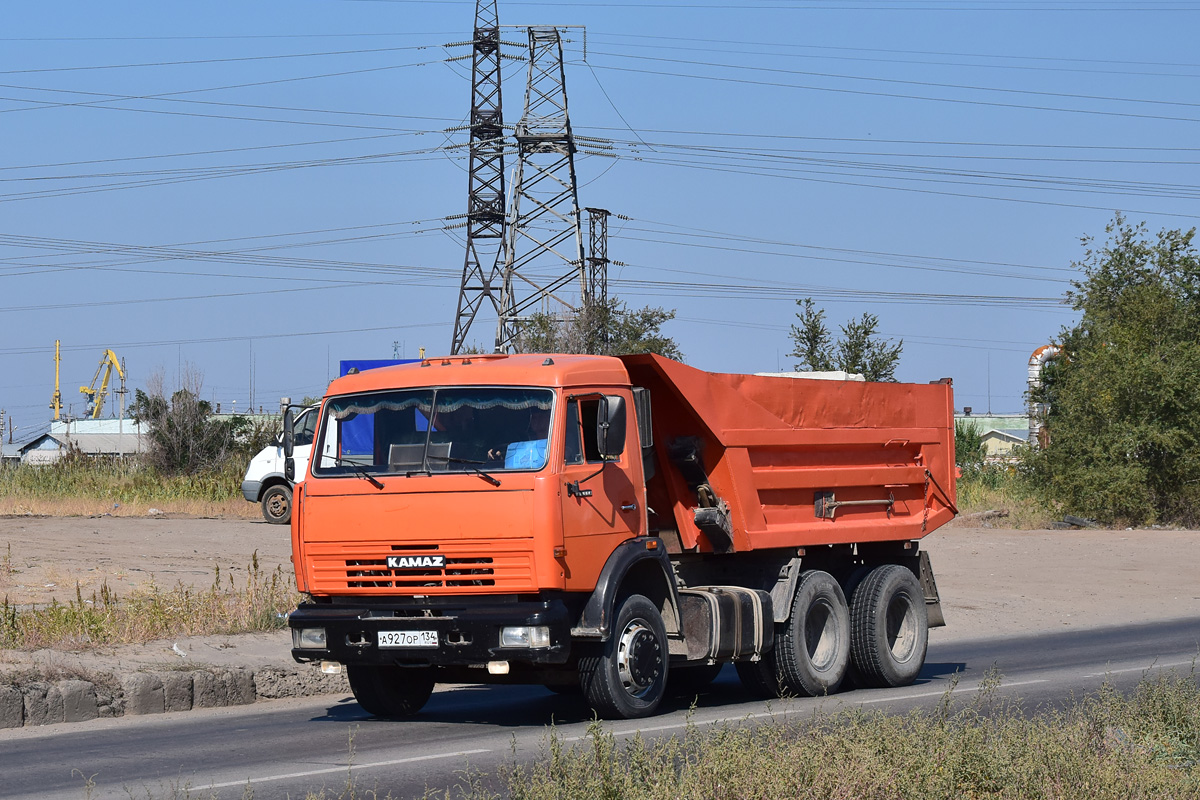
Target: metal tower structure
(482, 270)
(596, 288)
(543, 251)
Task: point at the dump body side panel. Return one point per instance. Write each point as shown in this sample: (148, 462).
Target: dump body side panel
(771, 446)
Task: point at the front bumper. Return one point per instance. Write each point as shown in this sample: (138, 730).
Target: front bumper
(468, 634)
(250, 490)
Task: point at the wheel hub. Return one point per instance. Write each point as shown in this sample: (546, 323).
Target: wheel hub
(277, 506)
(639, 658)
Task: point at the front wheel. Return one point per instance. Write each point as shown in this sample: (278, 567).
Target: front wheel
(626, 678)
(388, 691)
(277, 504)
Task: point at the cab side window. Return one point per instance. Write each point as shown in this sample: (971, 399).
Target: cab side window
(581, 431)
(574, 442)
(305, 431)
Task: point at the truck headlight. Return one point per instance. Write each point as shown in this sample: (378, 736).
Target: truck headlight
(525, 636)
(308, 638)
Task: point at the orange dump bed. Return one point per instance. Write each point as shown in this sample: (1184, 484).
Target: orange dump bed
(791, 462)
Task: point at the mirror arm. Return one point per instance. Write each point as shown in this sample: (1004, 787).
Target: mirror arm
(573, 489)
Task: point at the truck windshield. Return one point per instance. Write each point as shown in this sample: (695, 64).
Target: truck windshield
(451, 429)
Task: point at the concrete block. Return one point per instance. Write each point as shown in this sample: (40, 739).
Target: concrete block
(208, 691)
(12, 707)
(240, 686)
(42, 707)
(109, 702)
(78, 700)
(177, 690)
(302, 681)
(143, 693)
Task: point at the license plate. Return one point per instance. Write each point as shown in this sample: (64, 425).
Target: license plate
(408, 639)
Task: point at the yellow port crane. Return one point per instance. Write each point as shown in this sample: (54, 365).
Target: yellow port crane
(56, 399)
(109, 363)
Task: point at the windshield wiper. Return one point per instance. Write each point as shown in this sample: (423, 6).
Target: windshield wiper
(493, 481)
(362, 472)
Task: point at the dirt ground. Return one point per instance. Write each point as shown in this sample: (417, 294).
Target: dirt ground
(992, 582)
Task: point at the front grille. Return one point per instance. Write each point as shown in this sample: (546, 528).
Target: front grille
(457, 572)
(350, 568)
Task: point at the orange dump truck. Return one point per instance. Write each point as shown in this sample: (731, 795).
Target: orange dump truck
(623, 526)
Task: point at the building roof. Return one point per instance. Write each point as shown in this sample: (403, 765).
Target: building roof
(996, 422)
(1008, 435)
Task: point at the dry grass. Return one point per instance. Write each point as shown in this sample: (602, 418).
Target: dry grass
(1001, 488)
(91, 507)
(1107, 746)
(152, 613)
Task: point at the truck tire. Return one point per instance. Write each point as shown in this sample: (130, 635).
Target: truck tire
(626, 677)
(889, 627)
(277, 504)
(390, 692)
(812, 649)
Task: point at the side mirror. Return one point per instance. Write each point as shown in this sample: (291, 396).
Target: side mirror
(610, 427)
(289, 433)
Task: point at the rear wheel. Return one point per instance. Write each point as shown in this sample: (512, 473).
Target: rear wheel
(388, 691)
(889, 627)
(627, 676)
(812, 649)
(277, 504)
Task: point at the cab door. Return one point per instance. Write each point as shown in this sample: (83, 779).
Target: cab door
(601, 501)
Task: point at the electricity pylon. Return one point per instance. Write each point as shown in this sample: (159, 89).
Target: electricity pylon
(543, 250)
(596, 288)
(483, 269)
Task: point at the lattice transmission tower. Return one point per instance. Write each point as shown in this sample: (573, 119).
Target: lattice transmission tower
(596, 288)
(482, 276)
(543, 253)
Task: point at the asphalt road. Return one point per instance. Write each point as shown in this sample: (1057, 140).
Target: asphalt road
(288, 748)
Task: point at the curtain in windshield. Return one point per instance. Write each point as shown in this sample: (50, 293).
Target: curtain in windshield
(442, 430)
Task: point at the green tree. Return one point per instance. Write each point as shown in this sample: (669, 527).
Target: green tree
(184, 435)
(1123, 396)
(602, 329)
(859, 349)
(968, 445)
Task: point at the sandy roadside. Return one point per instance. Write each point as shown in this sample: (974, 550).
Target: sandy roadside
(992, 582)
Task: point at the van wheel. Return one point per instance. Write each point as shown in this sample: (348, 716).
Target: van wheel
(277, 504)
(813, 646)
(626, 678)
(889, 627)
(390, 692)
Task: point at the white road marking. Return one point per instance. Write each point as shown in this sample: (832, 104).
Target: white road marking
(346, 768)
(957, 690)
(1146, 668)
(782, 712)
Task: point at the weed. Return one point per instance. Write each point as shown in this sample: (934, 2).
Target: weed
(1001, 487)
(985, 748)
(82, 486)
(151, 612)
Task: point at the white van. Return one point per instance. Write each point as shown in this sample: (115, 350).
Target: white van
(265, 482)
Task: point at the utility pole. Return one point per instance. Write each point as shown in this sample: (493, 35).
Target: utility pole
(543, 250)
(482, 276)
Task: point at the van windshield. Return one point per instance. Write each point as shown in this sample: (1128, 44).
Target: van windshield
(453, 429)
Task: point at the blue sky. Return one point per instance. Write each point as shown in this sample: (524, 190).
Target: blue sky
(260, 189)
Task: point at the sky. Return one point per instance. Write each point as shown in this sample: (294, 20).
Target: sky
(246, 193)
